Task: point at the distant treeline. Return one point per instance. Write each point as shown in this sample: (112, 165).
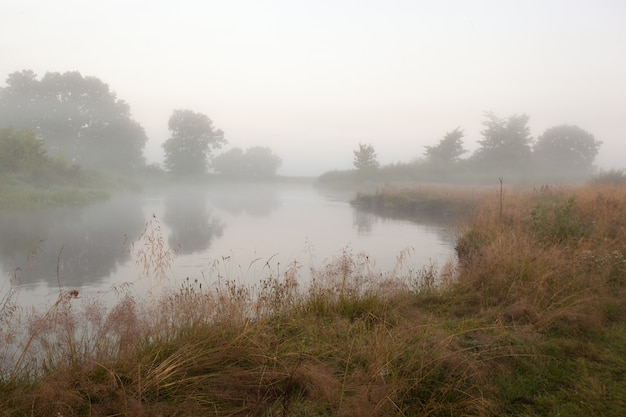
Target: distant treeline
(561, 153)
(79, 121)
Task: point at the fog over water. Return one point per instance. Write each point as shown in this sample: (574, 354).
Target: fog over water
(237, 231)
(302, 84)
(313, 79)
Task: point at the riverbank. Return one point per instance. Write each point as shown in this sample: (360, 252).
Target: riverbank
(25, 196)
(530, 321)
(442, 202)
(71, 186)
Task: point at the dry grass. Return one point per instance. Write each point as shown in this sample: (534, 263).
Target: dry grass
(549, 256)
(531, 317)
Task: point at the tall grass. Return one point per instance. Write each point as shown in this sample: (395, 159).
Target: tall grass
(557, 255)
(529, 321)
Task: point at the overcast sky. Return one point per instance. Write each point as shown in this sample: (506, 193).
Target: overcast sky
(312, 79)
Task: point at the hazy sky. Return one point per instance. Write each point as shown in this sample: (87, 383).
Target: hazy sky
(312, 79)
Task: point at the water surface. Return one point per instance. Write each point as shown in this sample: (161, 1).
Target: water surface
(237, 231)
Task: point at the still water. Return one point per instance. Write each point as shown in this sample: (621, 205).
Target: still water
(238, 231)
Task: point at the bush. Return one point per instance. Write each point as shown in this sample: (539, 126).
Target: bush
(558, 222)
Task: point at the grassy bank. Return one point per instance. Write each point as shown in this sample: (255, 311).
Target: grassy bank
(74, 186)
(424, 201)
(25, 196)
(530, 321)
(53, 184)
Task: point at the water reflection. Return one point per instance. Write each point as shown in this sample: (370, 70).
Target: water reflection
(193, 227)
(282, 222)
(442, 224)
(256, 199)
(70, 246)
(363, 221)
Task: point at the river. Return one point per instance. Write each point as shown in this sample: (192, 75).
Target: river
(235, 231)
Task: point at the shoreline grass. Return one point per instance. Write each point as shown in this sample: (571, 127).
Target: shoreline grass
(531, 320)
(424, 201)
(34, 198)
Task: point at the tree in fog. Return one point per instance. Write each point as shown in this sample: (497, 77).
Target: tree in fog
(193, 227)
(24, 157)
(78, 118)
(257, 161)
(192, 139)
(567, 150)
(365, 159)
(506, 144)
(230, 163)
(448, 150)
(260, 161)
(20, 151)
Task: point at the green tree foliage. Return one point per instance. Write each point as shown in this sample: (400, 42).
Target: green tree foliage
(448, 150)
(365, 158)
(191, 142)
(567, 150)
(77, 117)
(257, 161)
(23, 156)
(20, 151)
(506, 144)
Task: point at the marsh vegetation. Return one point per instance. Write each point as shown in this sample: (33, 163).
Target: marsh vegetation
(529, 321)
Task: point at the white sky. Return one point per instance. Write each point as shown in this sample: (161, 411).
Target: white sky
(312, 79)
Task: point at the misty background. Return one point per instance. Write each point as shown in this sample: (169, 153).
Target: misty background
(312, 80)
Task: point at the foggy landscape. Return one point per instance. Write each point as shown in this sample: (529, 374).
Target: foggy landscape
(311, 81)
(261, 208)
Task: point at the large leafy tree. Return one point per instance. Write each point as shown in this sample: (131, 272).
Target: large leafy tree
(258, 161)
(192, 139)
(448, 150)
(365, 159)
(506, 144)
(230, 163)
(78, 117)
(23, 156)
(567, 150)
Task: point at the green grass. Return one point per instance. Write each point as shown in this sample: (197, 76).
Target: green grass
(27, 196)
(530, 321)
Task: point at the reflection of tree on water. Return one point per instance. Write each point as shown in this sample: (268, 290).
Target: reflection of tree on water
(363, 221)
(86, 244)
(440, 223)
(255, 199)
(21, 234)
(193, 227)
